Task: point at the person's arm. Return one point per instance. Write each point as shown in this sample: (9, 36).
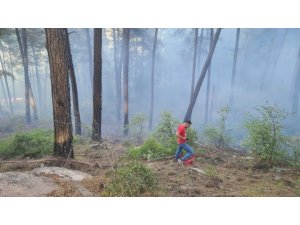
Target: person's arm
(178, 135)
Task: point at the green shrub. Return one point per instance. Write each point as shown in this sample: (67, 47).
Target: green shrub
(137, 127)
(151, 149)
(165, 132)
(265, 137)
(218, 135)
(295, 151)
(35, 143)
(130, 180)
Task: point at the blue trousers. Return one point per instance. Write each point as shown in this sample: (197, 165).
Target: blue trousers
(186, 147)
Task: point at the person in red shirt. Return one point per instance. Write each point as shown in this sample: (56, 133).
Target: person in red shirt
(181, 141)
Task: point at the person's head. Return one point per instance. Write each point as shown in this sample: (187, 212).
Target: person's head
(187, 123)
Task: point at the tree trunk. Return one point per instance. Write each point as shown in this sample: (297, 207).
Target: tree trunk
(236, 49)
(126, 34)
(12, 72)
(22, 42)
(208, 79)
(37, 77)
(118, 76)
(6, 83)
(4, 93)
(32, 104)
(74, 90)
(152, 79)
(295, 101)
(97, 89)
(194, 62)
(200, 48)
(89, 47)
(59, 60)
(189, 112)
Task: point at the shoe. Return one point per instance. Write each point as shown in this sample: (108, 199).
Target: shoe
(180, 162)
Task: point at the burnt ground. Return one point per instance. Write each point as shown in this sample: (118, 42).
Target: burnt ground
(226, 173)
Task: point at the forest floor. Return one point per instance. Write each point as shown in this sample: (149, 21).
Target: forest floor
(226, 173)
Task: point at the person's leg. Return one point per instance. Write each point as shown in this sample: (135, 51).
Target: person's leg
(189, 150)
(178, 152)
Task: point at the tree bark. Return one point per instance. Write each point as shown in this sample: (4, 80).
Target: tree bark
(59, 60)
(236, 49)
(194, 62)
(22, 42)
(189, 112)
(126, 34)
(200, 48)
(37, 77)
(89, 47)
(97, 89)
(6, 83)
(3, 90)
(152, 79)
(74, 90)
(118, 75)
(12, 72)
(208, 80)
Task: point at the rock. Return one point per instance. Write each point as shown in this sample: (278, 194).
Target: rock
(25, 184)
(62, 172)
(277, 178)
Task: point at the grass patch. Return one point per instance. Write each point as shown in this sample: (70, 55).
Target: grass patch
(131, 179)
(36, 143)
(151, 149)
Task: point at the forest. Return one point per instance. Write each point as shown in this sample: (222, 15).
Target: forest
(94, 112)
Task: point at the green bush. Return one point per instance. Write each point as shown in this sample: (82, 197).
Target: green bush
(137, 127)
(35, 143)
(165, 132)
(218, 135)
(295, 151)
(265, 137)
(151, 149)
(130, 180)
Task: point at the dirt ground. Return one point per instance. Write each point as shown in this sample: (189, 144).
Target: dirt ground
(226, 173)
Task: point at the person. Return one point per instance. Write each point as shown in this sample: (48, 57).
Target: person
(181, 141)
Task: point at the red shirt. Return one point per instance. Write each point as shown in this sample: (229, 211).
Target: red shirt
(182, 132)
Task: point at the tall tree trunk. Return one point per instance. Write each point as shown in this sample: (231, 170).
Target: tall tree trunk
(194, 61)
(200, 48)
(8, 91)
(45, 86)
(295, 100)
(12, 72)
(32, 104)
(37, 77)
(4, 70)
(118, 76)
(97, 89)
(3, 90)
(59, 60)
(22, 43)
(189, 112)
(89, 47)
(236, 49)
(126, 35)
(74, 90)
(208, 79)
(152, 79)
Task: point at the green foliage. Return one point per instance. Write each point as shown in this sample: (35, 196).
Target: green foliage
(218, 135)
(151, 149)
(265, 137)
(132, 179)
(137, 126)
(295, 151)
(35, 143)
(166, 129)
